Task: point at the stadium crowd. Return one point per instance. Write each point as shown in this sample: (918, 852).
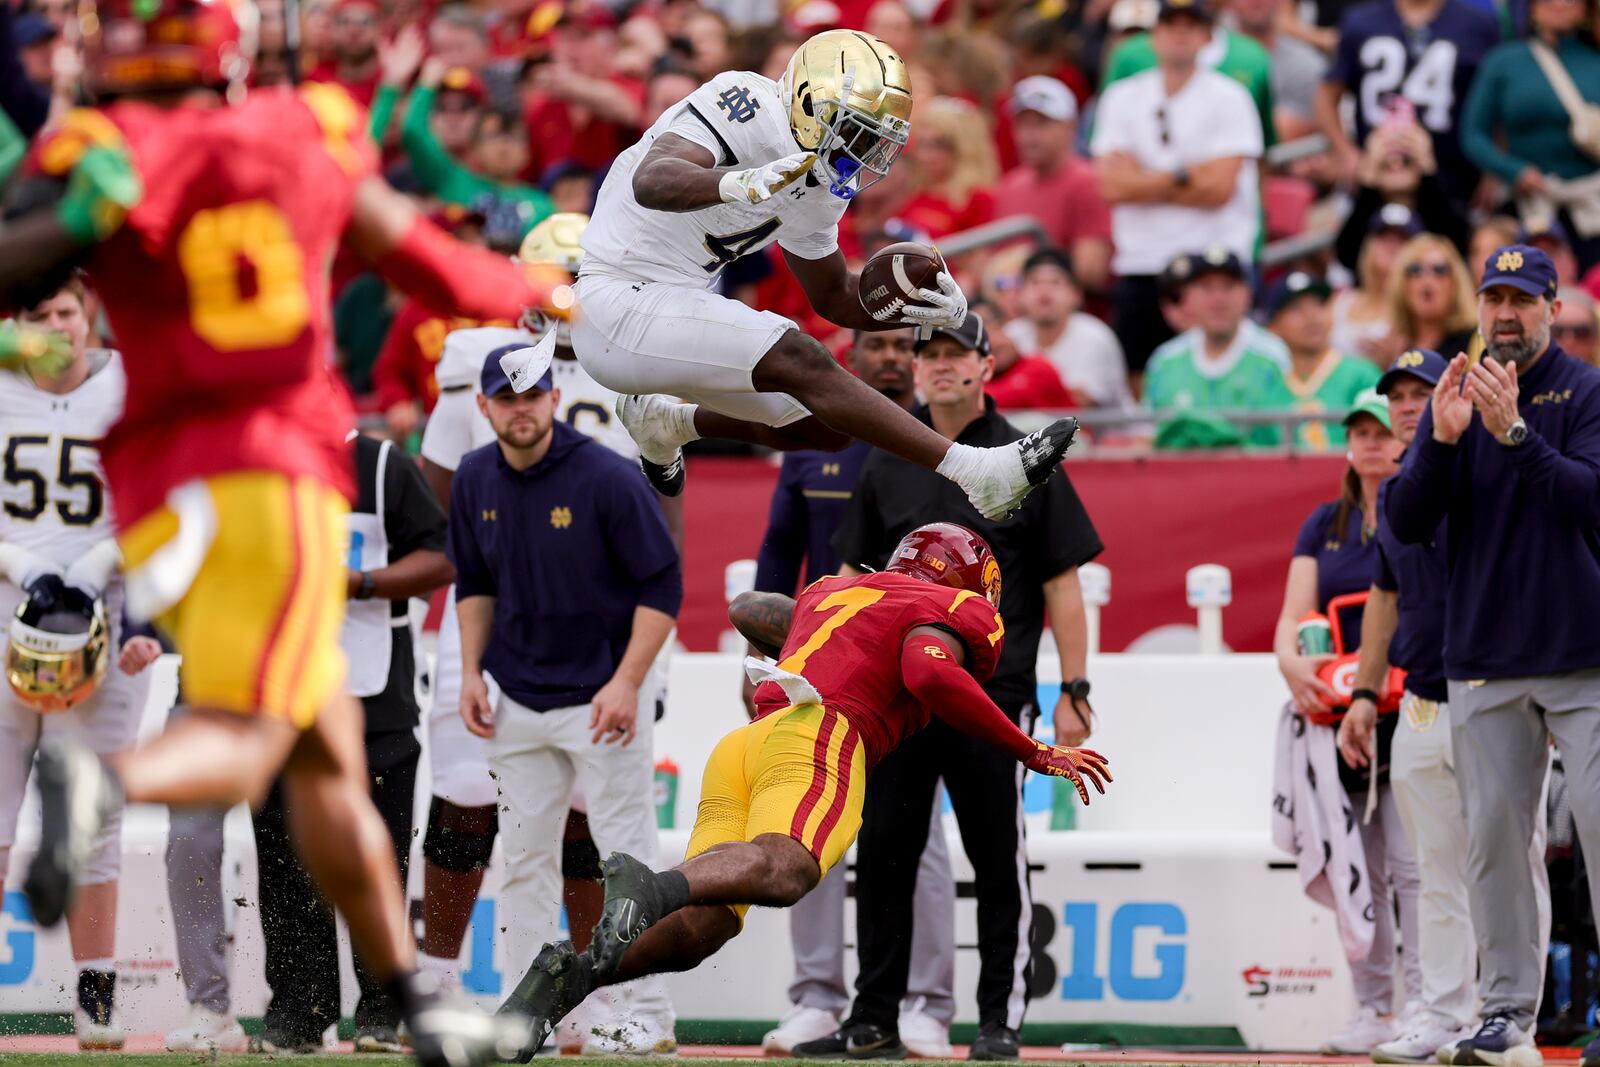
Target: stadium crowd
(1359, 240)
(1204, 223)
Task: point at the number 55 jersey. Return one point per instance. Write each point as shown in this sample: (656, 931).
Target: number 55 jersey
(53, 501)
(217, 286)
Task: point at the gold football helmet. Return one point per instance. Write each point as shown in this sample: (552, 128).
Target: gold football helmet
(556, 241)
(59, 648)
(849, 100)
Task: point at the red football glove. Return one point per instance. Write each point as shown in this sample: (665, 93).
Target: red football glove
(1073, 763)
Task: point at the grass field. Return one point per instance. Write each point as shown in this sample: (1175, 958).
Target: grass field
(136, 1059)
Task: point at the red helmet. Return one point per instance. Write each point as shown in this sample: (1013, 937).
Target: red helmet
(142, 46)
(946, 554)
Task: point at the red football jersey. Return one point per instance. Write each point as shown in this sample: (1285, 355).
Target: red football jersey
(217, 286)
(845, 640)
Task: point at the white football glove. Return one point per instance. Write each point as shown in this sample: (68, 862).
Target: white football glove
(759, 184)
(21, 567)
(92, 571)
(942, 307)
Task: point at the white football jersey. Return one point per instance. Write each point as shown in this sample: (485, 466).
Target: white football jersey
(740, 119)
(53, 498)
(456, 426)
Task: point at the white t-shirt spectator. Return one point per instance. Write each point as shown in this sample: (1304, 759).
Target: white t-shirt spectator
(1211, 117)
(1087, 355)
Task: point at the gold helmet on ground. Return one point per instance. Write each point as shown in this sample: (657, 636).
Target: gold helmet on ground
(59, 647)
(554, 241)
(849, 100)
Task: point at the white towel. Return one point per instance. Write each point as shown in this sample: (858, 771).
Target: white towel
(1313, 821)
(797, 689)
(525, 366)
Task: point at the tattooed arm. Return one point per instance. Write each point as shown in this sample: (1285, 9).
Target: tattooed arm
(763, 619)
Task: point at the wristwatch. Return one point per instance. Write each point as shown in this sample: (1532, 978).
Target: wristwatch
(1077, 688)
(1180, 177)
(366, 587)
(1516, 434)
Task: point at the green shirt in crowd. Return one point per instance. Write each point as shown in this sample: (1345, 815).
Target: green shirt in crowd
(439, 173)
(1241, 58)
(1332, 387)
(1511, 98)
(1185, 389)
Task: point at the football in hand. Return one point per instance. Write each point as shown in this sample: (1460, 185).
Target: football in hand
(891, 278)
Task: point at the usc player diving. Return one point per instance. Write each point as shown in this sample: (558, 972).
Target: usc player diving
(208, 219)
(863, 663)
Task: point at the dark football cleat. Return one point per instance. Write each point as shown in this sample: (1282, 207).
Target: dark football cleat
(664, 479)
(557, 982)
(853, 1041)
(633, 904)
(994, 1042)
(77, 795)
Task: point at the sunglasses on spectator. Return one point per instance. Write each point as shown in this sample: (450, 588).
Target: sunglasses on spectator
(1438, 270)
(455, 104)
(1576, 331)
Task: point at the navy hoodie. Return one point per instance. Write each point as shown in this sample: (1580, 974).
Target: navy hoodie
(1523, 554)
(568, 548)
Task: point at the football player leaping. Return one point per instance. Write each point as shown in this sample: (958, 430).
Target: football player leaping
(208, 220)
(743, 162)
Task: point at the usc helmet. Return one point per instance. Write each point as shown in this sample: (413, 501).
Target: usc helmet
(849, 101)
(59, 648)
(554, 241)
(946, 554)
(152, 46)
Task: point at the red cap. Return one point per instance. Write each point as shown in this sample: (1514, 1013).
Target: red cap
(463, 80)
(149, 45)
(946, 554)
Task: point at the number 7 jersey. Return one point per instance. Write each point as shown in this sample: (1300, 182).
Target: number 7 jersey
(845, 640)
(740, 118)
(217, 286)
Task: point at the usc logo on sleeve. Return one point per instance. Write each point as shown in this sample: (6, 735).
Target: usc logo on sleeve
(935, 651)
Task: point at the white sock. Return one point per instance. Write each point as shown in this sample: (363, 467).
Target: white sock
(96, 965)
(967, 465)
(680, 423)
(447, 969)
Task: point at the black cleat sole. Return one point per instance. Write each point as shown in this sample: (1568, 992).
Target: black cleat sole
(1043, 450)
(667, 480)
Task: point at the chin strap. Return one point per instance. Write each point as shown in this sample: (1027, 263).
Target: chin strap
(846, 169)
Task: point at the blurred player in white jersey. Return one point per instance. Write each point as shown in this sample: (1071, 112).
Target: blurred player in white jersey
(461, 818)
(742, 162)
(58, 557)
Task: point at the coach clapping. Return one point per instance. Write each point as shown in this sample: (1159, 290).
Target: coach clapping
(1510, 453)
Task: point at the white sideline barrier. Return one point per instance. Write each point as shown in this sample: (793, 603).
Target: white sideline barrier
(1161, 909)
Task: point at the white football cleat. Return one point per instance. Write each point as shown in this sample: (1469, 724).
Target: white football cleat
(800, 1025)
(1366, 1032)
(95, 1037)
(924, 1036)
(660, 427)
(205, 1030)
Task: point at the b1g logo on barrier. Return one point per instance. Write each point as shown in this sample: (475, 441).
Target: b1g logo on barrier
(1147, 957)
(16, 940)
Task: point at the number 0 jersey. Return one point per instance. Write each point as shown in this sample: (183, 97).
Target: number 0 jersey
(54, 502)
(217, 285)
(740, 118)
(845, 640)
(456, 426)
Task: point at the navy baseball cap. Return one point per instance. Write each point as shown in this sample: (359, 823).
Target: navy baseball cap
(1521, 267)
(1548, 228)
(970, 334)
(1214, 260)
(1396, 217)
(1291, 287)
(494, 378)
(30, 29)
(1422, 363)
(1195, 9)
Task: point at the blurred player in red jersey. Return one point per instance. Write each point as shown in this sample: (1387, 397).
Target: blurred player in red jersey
(863, 663)
(208, 221)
